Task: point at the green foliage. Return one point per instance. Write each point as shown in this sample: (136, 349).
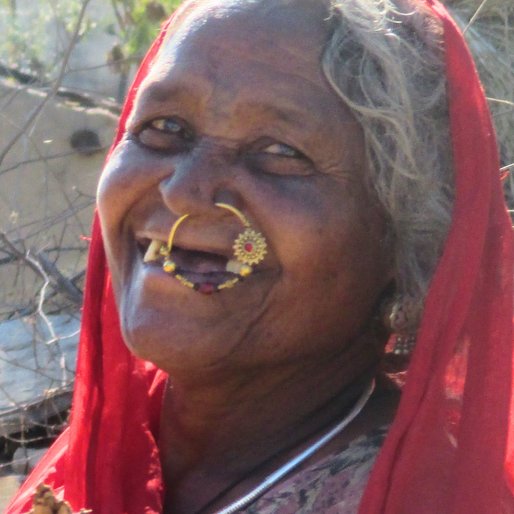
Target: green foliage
(28, 31)
(139, 22)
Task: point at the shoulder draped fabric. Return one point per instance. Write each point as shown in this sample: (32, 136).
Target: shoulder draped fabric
(448, 450)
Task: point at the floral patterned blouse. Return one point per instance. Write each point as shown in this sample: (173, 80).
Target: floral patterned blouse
(332, 486)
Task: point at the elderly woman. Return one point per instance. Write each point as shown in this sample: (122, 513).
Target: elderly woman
(289, 179)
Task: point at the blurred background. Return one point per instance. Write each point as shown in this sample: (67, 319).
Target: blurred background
(65, 66)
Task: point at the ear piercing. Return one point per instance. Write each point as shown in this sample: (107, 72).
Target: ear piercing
(249, 249)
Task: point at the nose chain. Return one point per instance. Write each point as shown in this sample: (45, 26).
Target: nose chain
(249, 249)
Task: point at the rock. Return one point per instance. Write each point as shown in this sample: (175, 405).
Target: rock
(37, 370)
(25, 459)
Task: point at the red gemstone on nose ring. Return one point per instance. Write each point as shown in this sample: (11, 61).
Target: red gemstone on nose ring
(249, 249)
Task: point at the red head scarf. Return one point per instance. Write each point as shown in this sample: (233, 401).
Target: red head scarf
(446, 451)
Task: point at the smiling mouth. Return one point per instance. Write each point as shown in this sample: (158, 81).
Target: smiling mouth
(206, 272)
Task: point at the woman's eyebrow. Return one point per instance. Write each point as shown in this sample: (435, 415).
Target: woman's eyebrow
(280, 112)
(162, 91)
(188, 93)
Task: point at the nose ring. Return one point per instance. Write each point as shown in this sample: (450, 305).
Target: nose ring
(249, 249)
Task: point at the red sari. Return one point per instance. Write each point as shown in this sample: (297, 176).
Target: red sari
(448, 451)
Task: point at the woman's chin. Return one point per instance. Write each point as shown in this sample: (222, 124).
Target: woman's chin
(178, 328)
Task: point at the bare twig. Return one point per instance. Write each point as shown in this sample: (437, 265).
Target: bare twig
(119, 17)
(41, 159)
(475, 16)
(64, 285)
(20, 365)
(55, 87)
(35, 266)
(40, 225)
(74, 279)
(500, 101)
(126, 60)
(42, 296)
(20, 255)
(41, 265)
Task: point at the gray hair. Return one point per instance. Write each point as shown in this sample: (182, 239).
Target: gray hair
(388, 67)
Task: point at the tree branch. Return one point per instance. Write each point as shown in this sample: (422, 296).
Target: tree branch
(41, 265)
(37, 110)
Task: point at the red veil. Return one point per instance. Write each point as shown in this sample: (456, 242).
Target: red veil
(446, 451)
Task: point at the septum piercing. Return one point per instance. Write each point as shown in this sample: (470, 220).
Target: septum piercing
(249, 247)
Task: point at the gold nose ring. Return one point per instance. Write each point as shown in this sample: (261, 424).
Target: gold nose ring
(249, 248)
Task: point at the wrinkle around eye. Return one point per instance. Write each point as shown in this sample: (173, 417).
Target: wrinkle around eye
(273, 164)
(166, 134)
(269, 156)
(162, 141)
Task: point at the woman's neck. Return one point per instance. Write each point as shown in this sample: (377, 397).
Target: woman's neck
(227, 434)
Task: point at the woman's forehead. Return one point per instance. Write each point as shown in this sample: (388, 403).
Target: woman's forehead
(232, 75)
(261, 22)
(271, 54)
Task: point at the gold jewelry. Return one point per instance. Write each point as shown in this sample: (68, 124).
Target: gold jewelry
(44, 501)
(249, 247)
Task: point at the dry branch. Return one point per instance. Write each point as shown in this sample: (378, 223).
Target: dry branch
(55, 87)
(46, 269)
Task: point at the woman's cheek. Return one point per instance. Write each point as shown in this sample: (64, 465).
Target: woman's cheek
(125, 179)
(114, 176)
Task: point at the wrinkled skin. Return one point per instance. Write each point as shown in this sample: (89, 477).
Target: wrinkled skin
(237, 110)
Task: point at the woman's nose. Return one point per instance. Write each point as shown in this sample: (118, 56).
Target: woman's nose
(197, 181)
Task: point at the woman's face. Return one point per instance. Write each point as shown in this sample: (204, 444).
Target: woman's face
(237, 110)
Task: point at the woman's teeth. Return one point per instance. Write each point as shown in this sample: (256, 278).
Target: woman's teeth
(192, 261)
(153, 252)
(234, 266)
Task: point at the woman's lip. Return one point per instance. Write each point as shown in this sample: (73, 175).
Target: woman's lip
(214, 277)
(199, 263)
(208, 277)
(150, 236)
(160, 280)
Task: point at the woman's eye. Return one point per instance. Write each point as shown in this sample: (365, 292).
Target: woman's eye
(282, 150)
(279, 159)
(166, 134)
(168, 125)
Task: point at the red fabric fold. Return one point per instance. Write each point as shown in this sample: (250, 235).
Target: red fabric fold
(446, 449)
(445, 452)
